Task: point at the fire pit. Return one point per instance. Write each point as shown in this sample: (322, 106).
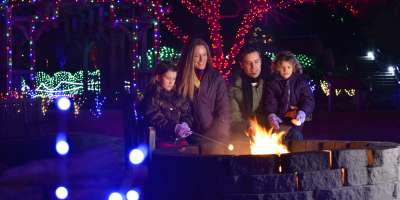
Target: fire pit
(312, 170)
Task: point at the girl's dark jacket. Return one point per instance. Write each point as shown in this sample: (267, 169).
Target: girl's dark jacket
(164, 109)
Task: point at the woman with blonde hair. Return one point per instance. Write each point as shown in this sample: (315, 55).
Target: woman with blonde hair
(206, 89)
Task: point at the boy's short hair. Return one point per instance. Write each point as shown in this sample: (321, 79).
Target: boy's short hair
(286, 56)
(250, 48)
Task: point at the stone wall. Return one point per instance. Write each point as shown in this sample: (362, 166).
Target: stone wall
(315, 170)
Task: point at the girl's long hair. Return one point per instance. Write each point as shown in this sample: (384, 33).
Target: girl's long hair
(187, 79)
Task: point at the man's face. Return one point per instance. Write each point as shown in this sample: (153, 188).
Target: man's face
(251, 64)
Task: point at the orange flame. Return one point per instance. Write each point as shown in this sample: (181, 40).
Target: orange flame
(265, 142)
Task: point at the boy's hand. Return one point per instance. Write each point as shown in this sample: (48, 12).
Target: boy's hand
(300, 118)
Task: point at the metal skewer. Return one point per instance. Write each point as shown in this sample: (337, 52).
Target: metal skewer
(230, 147)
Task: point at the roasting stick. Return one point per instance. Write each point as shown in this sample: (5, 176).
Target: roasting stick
(230, 147)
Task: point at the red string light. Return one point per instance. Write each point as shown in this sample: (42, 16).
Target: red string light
(174, 29)
(157, 10)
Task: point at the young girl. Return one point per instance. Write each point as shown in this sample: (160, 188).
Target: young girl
(288, 97)
(167, 111)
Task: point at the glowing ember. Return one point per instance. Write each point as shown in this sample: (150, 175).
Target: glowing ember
(265, 142)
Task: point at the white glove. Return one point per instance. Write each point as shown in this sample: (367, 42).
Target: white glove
(182, 130)
(300, 118)
(274, 121)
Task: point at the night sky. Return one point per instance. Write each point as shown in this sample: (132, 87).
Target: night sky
(375, 27)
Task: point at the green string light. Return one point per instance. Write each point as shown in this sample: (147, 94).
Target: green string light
(304, 60)
(66, 83)
(166, 54)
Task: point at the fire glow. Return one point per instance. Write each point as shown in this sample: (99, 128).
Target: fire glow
(264, 141)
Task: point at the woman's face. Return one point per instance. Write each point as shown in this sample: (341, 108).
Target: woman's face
(285, 69)
(168, 80)
(200, 57)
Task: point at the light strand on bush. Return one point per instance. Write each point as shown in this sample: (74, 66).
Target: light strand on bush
(135, 47)
(32, 54)
(157, 11)
(9, 51)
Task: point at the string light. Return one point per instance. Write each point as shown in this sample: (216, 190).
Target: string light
(209, 11)
(313, 85)
(157, 10)
(64, 83)
(166, 54)
(325, 87)
(305, 61)
(270, 55)
(78, 102)
(350, 92)
(112, 12)
(338, 91)
(97, 112)
(57, 10)
(167, 22)
(32, 57)
(135, 47)
(9, 48)
(174, 29)
(44, 105)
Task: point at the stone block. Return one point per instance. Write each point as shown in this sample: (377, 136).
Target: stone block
(380, 191)
(260, 184)
(306, 195)
(304, 162)
(349, 158)
(396, 192)
(356, 176)
(384, 156)
(320, 180)
(254, 164)
(344, 193)
(384, 174)
(243, 197)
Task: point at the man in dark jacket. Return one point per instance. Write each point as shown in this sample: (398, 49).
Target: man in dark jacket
(247, 92)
